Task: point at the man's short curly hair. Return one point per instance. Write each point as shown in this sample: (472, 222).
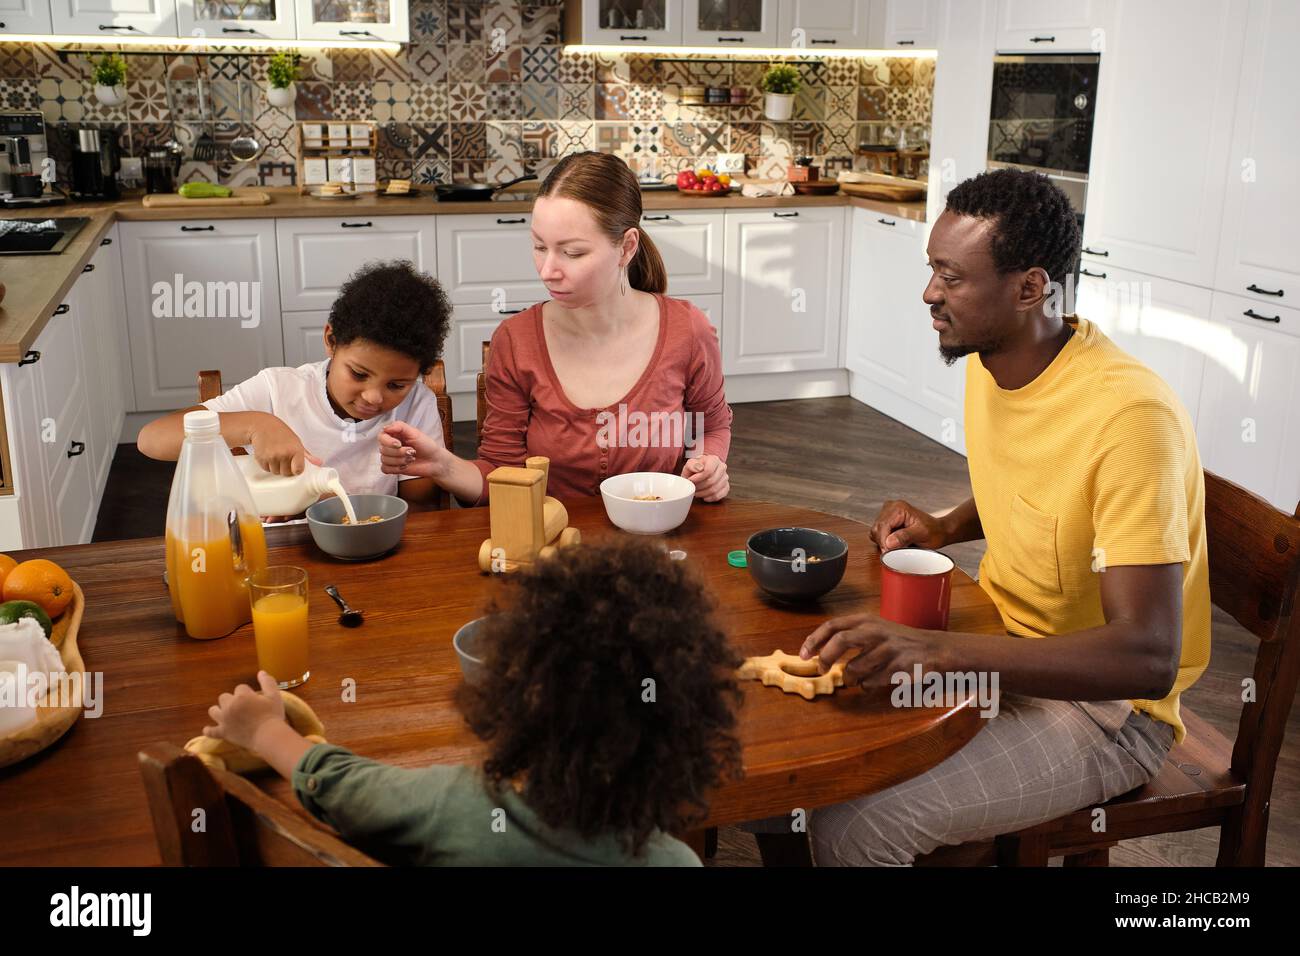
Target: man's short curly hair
(1034, 223)
(393, 305)
(566, 710)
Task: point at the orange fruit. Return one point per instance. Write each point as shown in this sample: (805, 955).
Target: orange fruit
(7, 564)
(41, 582)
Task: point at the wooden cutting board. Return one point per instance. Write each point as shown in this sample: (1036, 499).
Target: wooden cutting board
(887, 191)
(242, 196)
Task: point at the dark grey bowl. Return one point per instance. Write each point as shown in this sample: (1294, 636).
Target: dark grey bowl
(360, 541)
(465, 641)
(770, 556)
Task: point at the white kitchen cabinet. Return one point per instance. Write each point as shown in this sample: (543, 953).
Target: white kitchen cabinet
(25, 17)
(354, 20)
(462, 355)
(624, 22)
(1053, 26)
(910, 24)
(690, 244)
(711, 306)
(101, 337)
(110, 18)
(891, 346)
(318, 255)
(781, 299)
(1165, 325)
(1249, 428)
(24, 396)
(730, 24)
(1157, 176)
(304, 336)
(1259, 250)
(488, 259)
(223, 20)
(200, 295)
(825, 24)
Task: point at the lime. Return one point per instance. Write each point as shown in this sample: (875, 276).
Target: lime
(12, 611)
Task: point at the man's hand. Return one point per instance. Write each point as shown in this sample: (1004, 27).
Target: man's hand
(886, 648)
(900, 525)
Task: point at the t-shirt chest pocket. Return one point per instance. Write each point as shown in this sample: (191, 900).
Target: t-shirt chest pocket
(1031, 546)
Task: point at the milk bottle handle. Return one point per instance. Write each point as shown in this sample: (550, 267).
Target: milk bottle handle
(236, 538)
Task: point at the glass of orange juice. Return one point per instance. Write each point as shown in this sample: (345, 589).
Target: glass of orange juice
(279, 598)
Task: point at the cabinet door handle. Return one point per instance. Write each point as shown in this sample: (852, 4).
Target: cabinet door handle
(355, 33)
(111, 26)
(1092, 275)
(198, 228)
(825, 41)
(509, 311)
(1042, 39)
(237, 30)
(106, 242)
(1254, 288)
(88, 267)
(785, 215)
(907, 43)
(628, 36)
(62, 309)
(510, 222)
(31, 358)
(731, 39)
(662, 218)
(1263, 318)
(76, 448)
(356, 225)
(887, 222)
(1096, 252)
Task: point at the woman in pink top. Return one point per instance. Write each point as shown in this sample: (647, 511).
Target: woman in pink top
(607, 377)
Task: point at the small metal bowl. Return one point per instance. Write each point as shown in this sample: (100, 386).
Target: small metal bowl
(364, 540)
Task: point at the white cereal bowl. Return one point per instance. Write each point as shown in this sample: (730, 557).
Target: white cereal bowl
(619, 492)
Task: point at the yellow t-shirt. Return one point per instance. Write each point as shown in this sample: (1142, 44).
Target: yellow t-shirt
(1095, 460)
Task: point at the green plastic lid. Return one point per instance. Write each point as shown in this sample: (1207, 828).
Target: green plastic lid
(737, 559)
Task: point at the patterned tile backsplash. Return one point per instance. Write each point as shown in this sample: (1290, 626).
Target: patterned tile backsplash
(483, 92)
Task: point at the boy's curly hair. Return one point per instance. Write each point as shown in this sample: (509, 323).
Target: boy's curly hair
(1034, 223)
(393, 305)
(566, 710)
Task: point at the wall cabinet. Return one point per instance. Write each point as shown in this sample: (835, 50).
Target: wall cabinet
(910, 24)
(1259, 246)
(781, 298)
(1052, 26)
(109, 18)
(221, 19)
(25, 17)
(736, 23)
(1157, 176)
(316, 256)
(199, 295)
(353, 20)
(824, 24)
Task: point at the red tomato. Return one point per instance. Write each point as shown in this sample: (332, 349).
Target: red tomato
(686, 179)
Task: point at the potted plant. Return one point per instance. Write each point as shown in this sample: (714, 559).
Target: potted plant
(109, 76)
(779, 83)
(280, 74)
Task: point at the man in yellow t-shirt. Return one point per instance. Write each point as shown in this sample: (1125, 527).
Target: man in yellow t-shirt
(1088, 490)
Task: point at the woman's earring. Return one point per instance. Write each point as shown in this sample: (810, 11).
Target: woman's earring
(622, 280)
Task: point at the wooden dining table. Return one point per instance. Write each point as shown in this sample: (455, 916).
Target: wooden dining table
(385, 689)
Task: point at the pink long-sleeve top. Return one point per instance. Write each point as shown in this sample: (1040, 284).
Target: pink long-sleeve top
(678, 400)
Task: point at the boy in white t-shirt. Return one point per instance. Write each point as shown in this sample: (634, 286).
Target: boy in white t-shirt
(386, 329)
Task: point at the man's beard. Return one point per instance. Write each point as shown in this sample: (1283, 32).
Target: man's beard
(951, 353)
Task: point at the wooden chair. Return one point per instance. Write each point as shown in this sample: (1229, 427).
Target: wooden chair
(242, 826)
(1207, 781)
(481, 389)
(435, 379)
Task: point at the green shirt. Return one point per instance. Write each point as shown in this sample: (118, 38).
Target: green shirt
(446, 816)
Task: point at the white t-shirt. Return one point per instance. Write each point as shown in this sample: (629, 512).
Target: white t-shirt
(297, 397)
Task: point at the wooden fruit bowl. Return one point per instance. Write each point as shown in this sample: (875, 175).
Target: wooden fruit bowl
(704, 192)
(52, 722)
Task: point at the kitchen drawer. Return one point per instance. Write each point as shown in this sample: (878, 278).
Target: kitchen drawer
(463, 352)
(488, 259)
(691, 246)
(318, 255)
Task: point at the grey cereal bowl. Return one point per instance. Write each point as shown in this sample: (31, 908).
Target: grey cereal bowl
(770, 556)
(364, 539)
(465, 641)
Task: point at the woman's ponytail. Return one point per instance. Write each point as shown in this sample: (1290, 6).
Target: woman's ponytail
(646, 270)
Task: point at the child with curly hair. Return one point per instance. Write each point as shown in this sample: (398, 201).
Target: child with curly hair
(589, 764)
(385, 331)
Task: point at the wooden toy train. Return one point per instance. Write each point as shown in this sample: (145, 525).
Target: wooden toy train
(527, 525)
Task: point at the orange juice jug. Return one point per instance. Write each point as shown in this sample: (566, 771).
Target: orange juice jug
(214, 535)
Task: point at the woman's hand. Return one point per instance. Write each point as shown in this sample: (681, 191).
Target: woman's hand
(405, 450)
(277, 449)
(239, 716)
(709, 474)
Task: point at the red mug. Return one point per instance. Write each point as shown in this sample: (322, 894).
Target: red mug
(916, 587)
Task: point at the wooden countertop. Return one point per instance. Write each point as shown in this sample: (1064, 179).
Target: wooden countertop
(36, 285)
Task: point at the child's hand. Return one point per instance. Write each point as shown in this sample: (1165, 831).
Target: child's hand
(239, 716)
(277, 449)
(405, 450)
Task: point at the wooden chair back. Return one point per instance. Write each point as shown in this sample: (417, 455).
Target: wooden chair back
(241, 825)
(210, 388)
(481, 383)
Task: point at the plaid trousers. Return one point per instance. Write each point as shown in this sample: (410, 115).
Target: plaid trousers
(1035, 761)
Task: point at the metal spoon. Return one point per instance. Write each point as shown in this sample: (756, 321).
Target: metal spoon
(244, 148)
(349, 617)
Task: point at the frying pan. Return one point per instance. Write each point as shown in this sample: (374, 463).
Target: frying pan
(458, 192)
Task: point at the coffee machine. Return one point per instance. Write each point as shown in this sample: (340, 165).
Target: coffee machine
(96, 159)
(24, 155)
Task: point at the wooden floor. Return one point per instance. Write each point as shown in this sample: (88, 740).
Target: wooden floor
(837, 455)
